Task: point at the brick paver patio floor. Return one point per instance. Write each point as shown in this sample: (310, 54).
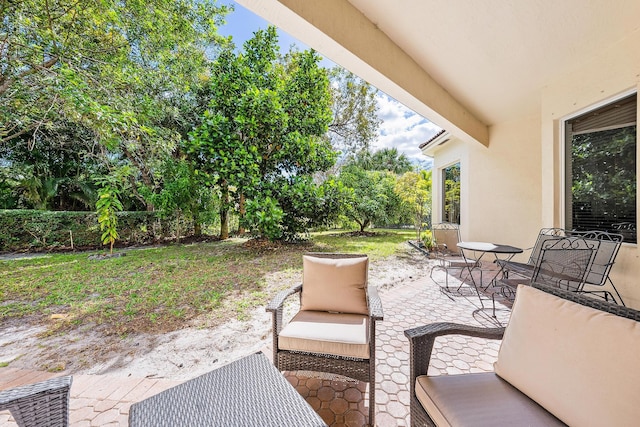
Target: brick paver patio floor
(104, 400)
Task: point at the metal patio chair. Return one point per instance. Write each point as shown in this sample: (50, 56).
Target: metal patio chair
(446, 237)
(334, 331)
(608, 245)
(564, 262)
(598, 275)
(43, 404)
(525, 269)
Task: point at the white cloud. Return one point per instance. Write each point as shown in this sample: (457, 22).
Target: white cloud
(403, 129)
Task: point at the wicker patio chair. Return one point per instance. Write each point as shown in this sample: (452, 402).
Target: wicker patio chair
(446, 237)
(335, 329)
(422, 339)
(38, 405)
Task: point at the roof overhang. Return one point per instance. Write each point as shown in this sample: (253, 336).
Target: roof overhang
(464, 65)
(429, 147)
(342, 33)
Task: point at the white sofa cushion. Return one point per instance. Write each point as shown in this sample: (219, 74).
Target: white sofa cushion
(327, 333)
(338, 285)
(579, 363)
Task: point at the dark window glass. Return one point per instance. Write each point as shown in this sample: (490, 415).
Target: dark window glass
(601, 170)
(451, 194)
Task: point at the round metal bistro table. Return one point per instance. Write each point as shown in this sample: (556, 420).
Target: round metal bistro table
(484, 248)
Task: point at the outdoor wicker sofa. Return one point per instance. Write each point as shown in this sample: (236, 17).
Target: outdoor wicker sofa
(335, 329)
(38, 405)
(565, 358)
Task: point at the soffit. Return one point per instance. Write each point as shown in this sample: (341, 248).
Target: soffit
(495, 56)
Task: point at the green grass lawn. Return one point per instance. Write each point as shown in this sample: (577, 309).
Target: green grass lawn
(159, 289)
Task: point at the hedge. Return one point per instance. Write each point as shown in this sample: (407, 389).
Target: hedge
(47, 230)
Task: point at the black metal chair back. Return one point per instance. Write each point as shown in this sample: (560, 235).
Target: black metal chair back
(565, 262)
(544, 235)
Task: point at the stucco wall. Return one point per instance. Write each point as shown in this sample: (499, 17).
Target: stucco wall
(452, 152)
(506, 185)
(607, 75)
(500, 185)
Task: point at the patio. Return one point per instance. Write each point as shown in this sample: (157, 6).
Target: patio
(104, 400)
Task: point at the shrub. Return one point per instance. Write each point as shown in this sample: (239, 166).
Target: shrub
(46, 230)
(265, 217)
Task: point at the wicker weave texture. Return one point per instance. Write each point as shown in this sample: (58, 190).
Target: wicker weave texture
(41, 404)
(247, 392)
(359, 369)
(422, 339)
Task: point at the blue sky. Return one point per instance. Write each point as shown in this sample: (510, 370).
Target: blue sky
(400, 128)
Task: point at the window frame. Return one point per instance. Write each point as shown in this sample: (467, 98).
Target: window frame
(564, 186)
(442, 191)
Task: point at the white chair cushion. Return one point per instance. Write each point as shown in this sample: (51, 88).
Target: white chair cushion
(338, 285)
(327, 333)
(579, 363)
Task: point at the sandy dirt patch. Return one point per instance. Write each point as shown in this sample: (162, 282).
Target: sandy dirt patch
(177, 355)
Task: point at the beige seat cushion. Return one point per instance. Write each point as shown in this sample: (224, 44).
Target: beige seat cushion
(479, 400)
(327, 333)
(338, 285)
(581, 364)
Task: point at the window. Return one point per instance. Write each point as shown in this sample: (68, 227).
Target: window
(451, 194)
(601, 169)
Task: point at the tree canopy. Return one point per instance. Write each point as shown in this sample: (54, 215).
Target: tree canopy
(385, 159)
(355, 112)
(265, 123)
(145, 102)
(130, 76)
(87, 61)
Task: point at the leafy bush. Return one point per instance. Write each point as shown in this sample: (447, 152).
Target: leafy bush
(265, 216)
(46, 230)
(106, 207)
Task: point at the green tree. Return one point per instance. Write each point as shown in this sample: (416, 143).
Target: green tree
(355, 112)
(132, 76)
(374, 198)
(223, 159)
(264, 124)
(414, 189)
(86, 61)
(183, 194)
(107, 206)
(385, 159)
(306, 205)
(265, 216)
(56, 172)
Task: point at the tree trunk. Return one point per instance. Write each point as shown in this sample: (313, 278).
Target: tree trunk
(197, 228)
(195, 215)
(243, 210)
(224, 212)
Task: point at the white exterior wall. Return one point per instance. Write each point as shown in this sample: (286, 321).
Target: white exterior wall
(452, 152)
(606, 76)
(500, 186)
(514, 187)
